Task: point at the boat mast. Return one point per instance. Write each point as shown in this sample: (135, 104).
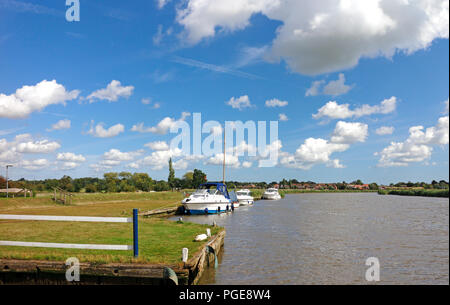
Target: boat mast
(224, 153)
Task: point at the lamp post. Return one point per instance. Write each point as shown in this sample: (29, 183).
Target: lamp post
(7, 166)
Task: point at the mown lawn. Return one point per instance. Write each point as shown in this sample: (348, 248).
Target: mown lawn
(160, 240)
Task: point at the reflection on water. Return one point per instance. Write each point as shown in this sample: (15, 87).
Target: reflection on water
(326, 239)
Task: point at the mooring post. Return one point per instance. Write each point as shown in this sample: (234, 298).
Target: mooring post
(185, 255)
(135, 233)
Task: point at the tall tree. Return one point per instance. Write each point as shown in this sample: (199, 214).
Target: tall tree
(171, 179)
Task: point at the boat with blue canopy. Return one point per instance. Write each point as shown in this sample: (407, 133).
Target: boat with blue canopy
(209, 198)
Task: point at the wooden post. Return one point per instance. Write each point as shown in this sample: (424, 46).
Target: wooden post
(135, 233)
(54, 197)
(185, 255)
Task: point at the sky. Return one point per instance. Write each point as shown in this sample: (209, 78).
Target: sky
(359, 88)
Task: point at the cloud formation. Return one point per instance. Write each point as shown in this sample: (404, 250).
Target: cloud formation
(240, 103)
(326, 36)
(111, 93)
(29, 99)
(162, 127)
(60, 125)
(276, 103)
(333, 110)
(316, 151)
(334, 87)
(100, 132)
(418, 147)
(384, 130)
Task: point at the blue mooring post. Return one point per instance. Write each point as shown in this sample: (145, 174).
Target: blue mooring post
(135, 233)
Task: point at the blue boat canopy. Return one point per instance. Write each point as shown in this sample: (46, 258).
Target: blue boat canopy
(218, 186)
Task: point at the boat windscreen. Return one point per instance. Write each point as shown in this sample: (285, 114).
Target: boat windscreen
(233, 196)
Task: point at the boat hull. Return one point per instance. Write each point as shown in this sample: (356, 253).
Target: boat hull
(206, 208)
(271, 197)
(246, 201)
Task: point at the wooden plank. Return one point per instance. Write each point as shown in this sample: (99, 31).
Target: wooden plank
(65, 246)
(67, 218)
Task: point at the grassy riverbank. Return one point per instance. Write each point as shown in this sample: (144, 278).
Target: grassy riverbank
(160, 240)
(416, 192)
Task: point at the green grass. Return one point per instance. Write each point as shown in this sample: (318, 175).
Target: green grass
(416, 192)
(160, 240)
(120, 204)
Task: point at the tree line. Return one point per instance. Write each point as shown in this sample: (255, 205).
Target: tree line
(131, 182)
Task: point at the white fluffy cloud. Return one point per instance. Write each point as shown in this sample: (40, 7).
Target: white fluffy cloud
(162, 3)
(112, 92)
(29, 99)
(418, 147)
(349, 133)
(312, 152)
(158, 145)
(37, 147)
(70, 157)
(276, 103)
(68, 161)
(158, 160)
(325, 36)
(60, 125)
(384, 130)
(240, 102)
(116, 155)
(333, 110)
(230, 160)
(12, 152)
(162, 127)
(100, 132)
(283, 117)
(334, 87)
(316, 151)
(34, 164)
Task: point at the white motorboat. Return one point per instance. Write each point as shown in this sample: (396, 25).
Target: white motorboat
(210, 198)
(271, 194)
(244, 197)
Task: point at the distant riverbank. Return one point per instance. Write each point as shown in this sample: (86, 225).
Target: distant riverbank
(416, 192)
(257, 193)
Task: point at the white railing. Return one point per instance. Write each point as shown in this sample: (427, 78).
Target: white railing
(133, 220)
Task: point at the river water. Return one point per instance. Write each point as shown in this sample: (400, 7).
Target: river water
(326, 239)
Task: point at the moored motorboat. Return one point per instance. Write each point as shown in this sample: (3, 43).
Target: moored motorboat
(244, 197)
(210, 198)
(271, 194)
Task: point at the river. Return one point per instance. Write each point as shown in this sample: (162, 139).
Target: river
(326, 239)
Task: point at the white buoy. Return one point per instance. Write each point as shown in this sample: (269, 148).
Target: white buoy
(201, 237)
(185, 255)
(208, 232)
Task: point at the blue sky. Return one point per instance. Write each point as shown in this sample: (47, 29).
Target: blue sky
(380, 70)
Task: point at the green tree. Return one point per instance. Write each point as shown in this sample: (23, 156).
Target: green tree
(112, 181)
(373, 186)
(198, 178)
(142, 181)
(171, 179)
